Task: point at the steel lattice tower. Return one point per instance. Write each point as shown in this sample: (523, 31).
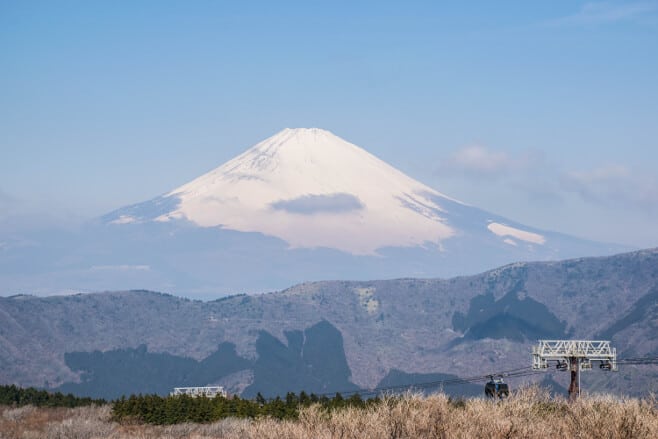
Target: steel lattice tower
(576, 356)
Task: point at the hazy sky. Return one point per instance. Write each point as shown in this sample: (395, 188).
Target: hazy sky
(546, 113)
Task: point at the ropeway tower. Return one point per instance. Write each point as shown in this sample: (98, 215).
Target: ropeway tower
(575, 356)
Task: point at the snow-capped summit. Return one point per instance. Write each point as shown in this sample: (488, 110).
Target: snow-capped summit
(305, 204)
(311, 188)
(302, 205)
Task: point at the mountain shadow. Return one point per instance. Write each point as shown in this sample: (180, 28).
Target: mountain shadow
(314, 361)
(510, 317)
(120, 372)
(396, 379)
(644, 310)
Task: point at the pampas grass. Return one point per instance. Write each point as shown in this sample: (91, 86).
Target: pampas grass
(528, 412)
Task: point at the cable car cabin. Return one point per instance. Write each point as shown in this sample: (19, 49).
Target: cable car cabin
(496, 388)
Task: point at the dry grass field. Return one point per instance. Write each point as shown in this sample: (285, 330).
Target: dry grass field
(529, 412)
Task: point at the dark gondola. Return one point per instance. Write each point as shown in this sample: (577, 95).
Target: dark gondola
(496, 388)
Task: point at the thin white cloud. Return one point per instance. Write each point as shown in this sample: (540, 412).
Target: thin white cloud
(483, 162)
(607, 12)
(614, 185)
(312, 204)
(611, 186)
(480, 159)
(124, 267)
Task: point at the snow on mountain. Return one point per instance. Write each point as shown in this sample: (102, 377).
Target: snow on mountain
(314, 189)
(507, 231)
(302, 205)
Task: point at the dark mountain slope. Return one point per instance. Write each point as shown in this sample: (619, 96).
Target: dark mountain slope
(413, 325)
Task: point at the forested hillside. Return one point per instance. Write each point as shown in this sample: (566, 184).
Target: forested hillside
(335, 335)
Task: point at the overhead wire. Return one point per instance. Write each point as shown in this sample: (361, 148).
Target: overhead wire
(518, 372)
(638, 360)
(510, 373)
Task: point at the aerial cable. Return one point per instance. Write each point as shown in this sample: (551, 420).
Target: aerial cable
(510, 373)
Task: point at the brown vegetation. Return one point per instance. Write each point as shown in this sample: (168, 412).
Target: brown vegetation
(529, 412)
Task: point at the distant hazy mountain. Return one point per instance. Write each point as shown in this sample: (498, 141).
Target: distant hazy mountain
(337, 335)
(311, 189)
(302, 205)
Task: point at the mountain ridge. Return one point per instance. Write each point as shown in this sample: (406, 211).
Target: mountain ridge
(302, 205)
(274, 186)
(412, 325)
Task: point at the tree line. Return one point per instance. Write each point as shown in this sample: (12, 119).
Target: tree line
(162, 410)
(16, 396)
(154, 409)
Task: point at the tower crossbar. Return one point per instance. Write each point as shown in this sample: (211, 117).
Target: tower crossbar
(574, 355)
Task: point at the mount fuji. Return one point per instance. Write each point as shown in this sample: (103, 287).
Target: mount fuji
(301, 205)
(312, 189)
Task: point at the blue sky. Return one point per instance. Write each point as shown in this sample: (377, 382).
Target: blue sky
(546, 113)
